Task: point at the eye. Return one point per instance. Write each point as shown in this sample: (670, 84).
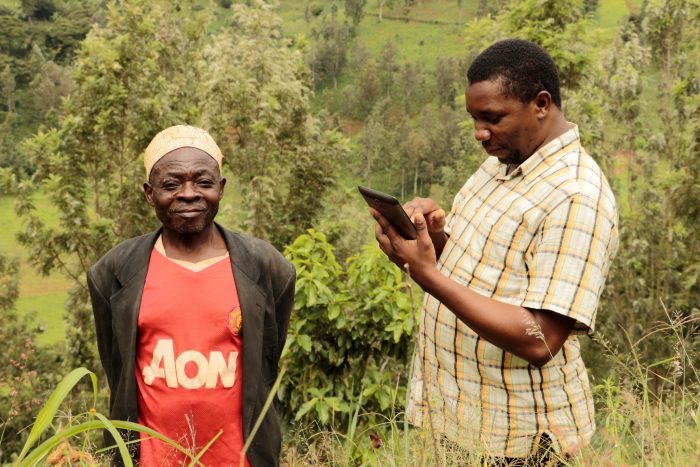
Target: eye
(205, 183)
(493, 119)
(169, 185)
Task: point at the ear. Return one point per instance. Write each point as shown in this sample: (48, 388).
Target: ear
(542, 103)
(222, 184)
(148, 190)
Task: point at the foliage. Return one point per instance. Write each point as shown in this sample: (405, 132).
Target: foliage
(657, 267)
(634, 97)
(37, 42)
(354, 9)
(560, 27)
(27, 373)
(329, 52)
(128, 86)
(636, 425)
(56, 31)
(350, 338)
(49, 86)
(255, 99)
(80, 423)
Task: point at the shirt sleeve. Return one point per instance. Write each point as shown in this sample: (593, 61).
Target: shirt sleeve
(570, 259)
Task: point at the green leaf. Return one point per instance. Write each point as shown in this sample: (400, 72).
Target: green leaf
(48, 411)
(304, 409)
(304, 342)
(123, 451)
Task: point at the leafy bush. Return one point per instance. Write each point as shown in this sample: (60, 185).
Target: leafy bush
(350, 340)
(27, 372)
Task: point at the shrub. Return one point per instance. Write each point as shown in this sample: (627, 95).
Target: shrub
(350, 341)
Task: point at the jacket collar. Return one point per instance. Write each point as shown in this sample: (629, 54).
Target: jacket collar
(140, 254)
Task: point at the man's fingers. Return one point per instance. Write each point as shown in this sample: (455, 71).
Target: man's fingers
(436, 220)
(386, 227)
(419, 221)
(381, 220)
(422, 228)
(410, 210)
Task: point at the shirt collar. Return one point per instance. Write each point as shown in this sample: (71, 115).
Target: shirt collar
(549, 149)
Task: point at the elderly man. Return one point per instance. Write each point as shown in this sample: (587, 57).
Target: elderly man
(191, 319)
(513, 273)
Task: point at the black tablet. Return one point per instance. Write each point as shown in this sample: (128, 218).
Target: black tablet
(391, 209)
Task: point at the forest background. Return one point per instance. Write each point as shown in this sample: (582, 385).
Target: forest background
(308, 99)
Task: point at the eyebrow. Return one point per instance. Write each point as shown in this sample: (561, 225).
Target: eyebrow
(197, 173)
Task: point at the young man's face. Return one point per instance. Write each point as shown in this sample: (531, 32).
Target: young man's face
(506, 127)
(185, 189)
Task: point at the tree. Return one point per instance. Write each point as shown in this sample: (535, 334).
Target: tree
(447, 81)
(48, 88)
(39, 9)
(255, 98)
(381, 4)
(560, 26)
(388, 57)
(329, 53)
(7, 83)
(127, 89)
(354, 9)
(359, 98)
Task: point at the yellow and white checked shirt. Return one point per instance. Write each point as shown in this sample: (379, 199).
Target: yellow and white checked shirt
(541, 237)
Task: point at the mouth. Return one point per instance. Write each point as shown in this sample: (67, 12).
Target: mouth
(189, 212)
(493, 150)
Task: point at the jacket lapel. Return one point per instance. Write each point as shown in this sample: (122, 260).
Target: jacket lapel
(246, 274)
(125, 304)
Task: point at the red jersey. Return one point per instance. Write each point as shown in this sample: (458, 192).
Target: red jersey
(189, 362)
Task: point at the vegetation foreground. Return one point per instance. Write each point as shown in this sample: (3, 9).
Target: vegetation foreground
(307, 105)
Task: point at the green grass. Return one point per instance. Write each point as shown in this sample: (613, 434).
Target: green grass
(612, 14)
(11, 4)
(416, 42)
(43, 295)
(426, 42)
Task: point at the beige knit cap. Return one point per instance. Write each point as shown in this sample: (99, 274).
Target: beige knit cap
(179, 136)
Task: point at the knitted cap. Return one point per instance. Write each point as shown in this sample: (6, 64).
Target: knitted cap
(179, 136)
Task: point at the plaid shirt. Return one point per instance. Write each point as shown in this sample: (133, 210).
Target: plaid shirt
(541, 237)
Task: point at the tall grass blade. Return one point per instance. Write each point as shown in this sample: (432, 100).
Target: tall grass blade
(48, 411)
(205, 448)
(258, 422)
(123, 451)
(47, 446)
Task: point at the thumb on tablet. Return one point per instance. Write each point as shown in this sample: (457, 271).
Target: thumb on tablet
(421, 227)
(419, 221)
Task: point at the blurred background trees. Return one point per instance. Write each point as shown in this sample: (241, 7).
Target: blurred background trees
(340, 94)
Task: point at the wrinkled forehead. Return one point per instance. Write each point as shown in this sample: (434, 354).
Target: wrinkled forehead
(186, 160)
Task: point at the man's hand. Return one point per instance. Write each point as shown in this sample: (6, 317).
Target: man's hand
(418, 256)
(434, 215)
(434, 219)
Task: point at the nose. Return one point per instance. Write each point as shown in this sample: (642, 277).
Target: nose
(188, 191)
(481, 133)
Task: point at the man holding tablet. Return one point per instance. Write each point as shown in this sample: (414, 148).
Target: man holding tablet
(512, 274)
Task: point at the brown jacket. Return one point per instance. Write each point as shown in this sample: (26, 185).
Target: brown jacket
(265, 282)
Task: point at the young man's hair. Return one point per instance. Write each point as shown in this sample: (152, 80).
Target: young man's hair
(523, 67)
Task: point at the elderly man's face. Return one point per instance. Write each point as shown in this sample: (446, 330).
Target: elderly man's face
(185, 189)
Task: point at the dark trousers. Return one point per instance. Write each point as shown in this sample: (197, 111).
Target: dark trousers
(544, 456)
